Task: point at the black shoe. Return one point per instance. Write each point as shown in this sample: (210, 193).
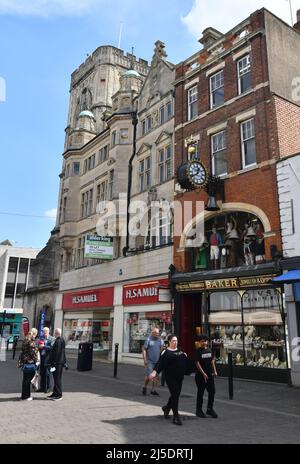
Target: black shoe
(56, 398)
(154, 392)
(177, 420)
(144, 391)
(212, 413)
(166, 411)
(200, 413)
(50, 397)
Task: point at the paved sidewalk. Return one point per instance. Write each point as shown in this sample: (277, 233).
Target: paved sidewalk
(97, 408)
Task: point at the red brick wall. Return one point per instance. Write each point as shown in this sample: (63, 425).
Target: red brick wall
(288, 123)
(257, 187)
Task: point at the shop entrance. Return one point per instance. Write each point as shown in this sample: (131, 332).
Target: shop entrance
(190, 322)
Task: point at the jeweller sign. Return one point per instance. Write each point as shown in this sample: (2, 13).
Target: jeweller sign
(96, 298)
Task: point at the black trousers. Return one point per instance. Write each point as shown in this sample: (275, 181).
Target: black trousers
(26, 384)
(209, 385)
(174, 386)
(57, 375)
(45, 375)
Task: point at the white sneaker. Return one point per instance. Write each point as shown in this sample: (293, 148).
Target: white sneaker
(29, 399)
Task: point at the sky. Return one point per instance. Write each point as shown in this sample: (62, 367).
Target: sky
(41, 43)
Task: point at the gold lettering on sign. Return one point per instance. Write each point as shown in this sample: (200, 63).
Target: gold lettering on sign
(221, 283)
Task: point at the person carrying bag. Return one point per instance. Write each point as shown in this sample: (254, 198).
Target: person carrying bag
(29, 361)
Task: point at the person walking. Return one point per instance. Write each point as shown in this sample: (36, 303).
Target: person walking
(28, 361)
(174, 363)
(57, 361)
(151, 353)
(204, 378)
(45, 345)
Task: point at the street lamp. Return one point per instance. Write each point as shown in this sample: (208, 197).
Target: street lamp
(129, 180)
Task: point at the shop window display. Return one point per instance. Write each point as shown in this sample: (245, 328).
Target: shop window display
(234, 239)
(254, 334)
(138, 326)
(87, 330)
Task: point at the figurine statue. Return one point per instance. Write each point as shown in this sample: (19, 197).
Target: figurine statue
(215, 240)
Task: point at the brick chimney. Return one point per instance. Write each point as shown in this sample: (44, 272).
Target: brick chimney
(297, 25)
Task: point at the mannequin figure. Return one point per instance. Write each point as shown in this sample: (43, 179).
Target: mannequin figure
(215, 240)
(201, 260)
(248, 237)
(260, 244)
(232, 237)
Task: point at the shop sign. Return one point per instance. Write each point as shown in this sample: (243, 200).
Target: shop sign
(98, 247)
(97, 298)
(231, 283)
(143, 293)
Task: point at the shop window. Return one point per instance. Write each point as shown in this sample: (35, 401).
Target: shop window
(138, 326)
(230, 240)
(251, 328)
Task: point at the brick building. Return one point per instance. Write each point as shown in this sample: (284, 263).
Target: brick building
(233, 99)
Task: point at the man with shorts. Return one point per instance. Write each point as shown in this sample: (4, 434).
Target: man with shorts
(151, 354)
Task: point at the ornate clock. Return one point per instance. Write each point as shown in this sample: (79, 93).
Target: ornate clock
(192, 174)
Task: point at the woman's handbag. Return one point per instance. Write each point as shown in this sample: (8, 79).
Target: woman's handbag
(29, 368)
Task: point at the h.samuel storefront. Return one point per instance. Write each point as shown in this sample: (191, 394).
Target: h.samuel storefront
(243, 313)
(87, 317)
(146, 305)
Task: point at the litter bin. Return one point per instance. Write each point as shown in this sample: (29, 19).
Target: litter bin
(85, 356)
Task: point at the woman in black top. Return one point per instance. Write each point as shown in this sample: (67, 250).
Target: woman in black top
(29, 360)
(173, 362)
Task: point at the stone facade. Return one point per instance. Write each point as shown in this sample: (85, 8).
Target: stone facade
(97, 171)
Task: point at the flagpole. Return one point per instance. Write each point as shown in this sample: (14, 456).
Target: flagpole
(291, 12)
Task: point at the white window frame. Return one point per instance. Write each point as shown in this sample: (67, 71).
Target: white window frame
(247, 68)
(160, 231)
(192, 99)
(213, 153)
(220, 81)
(243, 141)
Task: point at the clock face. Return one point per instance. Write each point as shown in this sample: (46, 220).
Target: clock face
(197, 173)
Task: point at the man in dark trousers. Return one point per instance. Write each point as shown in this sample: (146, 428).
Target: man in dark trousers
(205, 372)
(45, 346)
(57, 361)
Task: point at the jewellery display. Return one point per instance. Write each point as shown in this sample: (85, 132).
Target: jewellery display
(256, 343)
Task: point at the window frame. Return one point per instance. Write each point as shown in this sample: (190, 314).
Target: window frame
(213, 91)
(213, 153)
(164, 164)
(244, 165)
(240, 76)
(145, 173)
(190, 103)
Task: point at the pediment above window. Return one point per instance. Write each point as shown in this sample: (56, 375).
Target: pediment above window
(143, 148)
(164, 135)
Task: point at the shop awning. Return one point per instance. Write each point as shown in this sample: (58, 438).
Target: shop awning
(288, 277)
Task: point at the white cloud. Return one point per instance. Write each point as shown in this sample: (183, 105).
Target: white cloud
(225, 14)
(46, 7)
(51, 213)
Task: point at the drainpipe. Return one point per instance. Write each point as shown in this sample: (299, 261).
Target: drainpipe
(129, 180)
